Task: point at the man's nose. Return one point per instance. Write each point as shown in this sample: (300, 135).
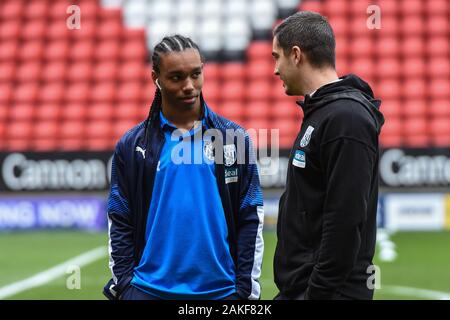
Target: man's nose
(276, 72)
(188, 86)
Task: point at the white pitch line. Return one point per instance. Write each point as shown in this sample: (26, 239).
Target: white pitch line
(416, 292)
(53, 273)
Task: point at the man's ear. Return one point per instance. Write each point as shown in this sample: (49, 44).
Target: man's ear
(154, 76)
(296, 53)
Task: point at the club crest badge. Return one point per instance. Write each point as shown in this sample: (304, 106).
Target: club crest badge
(229, 152)
(208, 150)
(306, 137)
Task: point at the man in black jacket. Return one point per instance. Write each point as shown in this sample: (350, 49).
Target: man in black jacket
(327, 214)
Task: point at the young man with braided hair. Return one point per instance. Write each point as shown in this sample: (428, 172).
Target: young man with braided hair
(182, 230)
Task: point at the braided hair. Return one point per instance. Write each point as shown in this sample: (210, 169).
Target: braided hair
(176, 43)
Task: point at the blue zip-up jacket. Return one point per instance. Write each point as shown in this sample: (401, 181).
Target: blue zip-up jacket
(132, 177)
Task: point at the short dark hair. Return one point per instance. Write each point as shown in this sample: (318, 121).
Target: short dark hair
(312, 33)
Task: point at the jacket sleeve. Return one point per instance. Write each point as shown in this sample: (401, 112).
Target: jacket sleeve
(120, 230)
(250, 244)
(348, 161)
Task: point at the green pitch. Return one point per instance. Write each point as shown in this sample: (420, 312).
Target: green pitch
(420, 271)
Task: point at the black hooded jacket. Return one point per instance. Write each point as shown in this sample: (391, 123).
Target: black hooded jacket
(327, 215)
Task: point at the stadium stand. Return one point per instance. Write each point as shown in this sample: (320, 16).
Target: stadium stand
(63, 89)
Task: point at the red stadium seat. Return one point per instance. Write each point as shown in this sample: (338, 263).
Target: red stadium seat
(48, 111)
(257, 110)
(54, 71)
(233, 71)
(233, 90)
(90, 10)
(72, 144)
(19, 130)
(10, 29)
(438, 24)
(80, 71)
(415, 126)
(315, 6)
(134, 34)
(392, 126)
(99, 144)
(6, 93)
(232, 110)
(388, 141)
(133, 50)
(82, 50)
(57, 50)
(107, 50)
(26, 92)
(415, 108)
(45, 129)
(58, 10)
(98, 129)
(259, 50)
(413, 46)
(413, 67)
(336, 9)
(387, 47)
(7, 71)
(439, 108)
(412, 25)
(440, 88)
(100, 111)
(44, 145)
(342, 47)
(52, 92)
(87, 30)
(57, 29)
(110, 29)
(388, 68)
(359, 7)
(411, 7)
(211, 71)
(414, 88)
(21, 112)
(104, 71)
(4, 111)
(340, 25)
(440, 140)
(29, 72)
(133, 71)
(364, 67)
(105, 92)
(389, 7)
(211, 90)
(439, 67)
(130, 92)
(75, 111)
(440, 125)
(11, 9)
(437, 46)
(416, 140)
(77, 92)
(119, 127)
(258, 90)
(391, 108)
(285, 109)
(34, 30)
(362, 46)
(37, 10)
(436, 7)
(18, 144)
(388, 89)
(260, 69)
(390, 25)
(128, 111)
(31, 50)
(72, 129)
(8, 50)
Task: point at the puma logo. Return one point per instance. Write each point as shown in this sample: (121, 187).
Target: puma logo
(139, 149)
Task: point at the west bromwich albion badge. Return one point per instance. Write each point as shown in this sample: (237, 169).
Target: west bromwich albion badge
(306, 137)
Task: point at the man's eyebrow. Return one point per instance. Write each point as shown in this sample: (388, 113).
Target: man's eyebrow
(181, 71)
